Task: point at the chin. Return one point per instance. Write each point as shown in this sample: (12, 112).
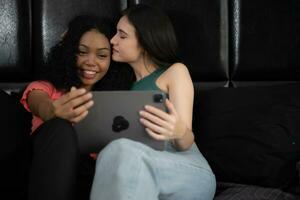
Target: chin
(89, 83)
(117, 58)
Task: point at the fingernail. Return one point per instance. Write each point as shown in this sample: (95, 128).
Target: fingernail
(81, 90)
(88, 96)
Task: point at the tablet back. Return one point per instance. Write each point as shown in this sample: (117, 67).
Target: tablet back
(115, 114)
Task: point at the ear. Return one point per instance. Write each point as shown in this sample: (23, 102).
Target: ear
(63, 35)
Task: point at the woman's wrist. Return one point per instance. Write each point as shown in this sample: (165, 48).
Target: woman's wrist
(185, 141)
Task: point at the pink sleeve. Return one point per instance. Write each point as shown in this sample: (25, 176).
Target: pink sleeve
(36, 85)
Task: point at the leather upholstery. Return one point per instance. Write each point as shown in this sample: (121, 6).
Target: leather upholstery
(51, 17)
(30, 28)
(15, 41)
(202, 36)
(265, 41)
(231, 43)
(223, 42)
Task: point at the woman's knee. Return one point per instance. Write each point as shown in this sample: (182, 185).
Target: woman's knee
(55, 131)
(121, 152)
(121, 147)
(203, 188)
(56, 126)
(120, 159)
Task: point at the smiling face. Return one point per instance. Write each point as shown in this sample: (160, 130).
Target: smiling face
(126, 47)
(93, 58)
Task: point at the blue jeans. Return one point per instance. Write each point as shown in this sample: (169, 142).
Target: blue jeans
(130, 170)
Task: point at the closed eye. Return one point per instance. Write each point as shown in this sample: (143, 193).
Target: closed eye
(81, 53)
(102, 55)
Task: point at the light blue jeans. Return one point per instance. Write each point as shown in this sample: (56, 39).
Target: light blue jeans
(129, 170)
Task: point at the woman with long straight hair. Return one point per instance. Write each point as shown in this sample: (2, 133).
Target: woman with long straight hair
(126, 169)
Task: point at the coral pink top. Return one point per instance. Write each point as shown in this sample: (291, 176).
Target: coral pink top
(39, 85)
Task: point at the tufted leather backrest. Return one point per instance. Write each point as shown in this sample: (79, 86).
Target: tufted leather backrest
(51, 17)
(15, 42)
(264, 41)
(223, 42)
(237, 42)
(201, 28)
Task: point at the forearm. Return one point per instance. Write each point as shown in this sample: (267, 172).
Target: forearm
(46, 110)
(41, 105)
(43, 110)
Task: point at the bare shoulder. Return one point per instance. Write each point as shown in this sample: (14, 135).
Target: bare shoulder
(176, 74)
(178, 71)
(178, 68)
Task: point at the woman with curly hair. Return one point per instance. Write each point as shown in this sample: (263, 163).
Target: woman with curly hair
(60, 98)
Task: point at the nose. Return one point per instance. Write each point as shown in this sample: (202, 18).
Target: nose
(90, 59)
(113, 40)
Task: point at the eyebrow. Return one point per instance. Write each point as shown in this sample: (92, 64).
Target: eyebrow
(122, 31)
(99, 49)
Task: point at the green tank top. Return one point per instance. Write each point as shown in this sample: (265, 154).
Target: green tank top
(148, 82)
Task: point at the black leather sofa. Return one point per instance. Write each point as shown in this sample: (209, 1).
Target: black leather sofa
(243, 57)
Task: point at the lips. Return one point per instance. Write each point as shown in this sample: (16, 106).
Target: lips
(115, 51)
(88, 74)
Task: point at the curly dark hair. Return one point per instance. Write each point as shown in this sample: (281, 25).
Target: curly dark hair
(61, 69)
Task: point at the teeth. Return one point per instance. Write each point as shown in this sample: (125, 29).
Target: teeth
(89, 72)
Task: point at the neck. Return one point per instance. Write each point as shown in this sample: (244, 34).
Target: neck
(142, 68)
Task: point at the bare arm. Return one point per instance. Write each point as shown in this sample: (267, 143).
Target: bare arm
(73, 106)
(181, 91)
(176, 125)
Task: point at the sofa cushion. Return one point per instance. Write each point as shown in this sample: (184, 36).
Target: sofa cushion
(233, 191)
(251, 135)
(15, 123)
(14, 147)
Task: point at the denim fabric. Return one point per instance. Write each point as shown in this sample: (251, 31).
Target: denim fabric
(129, 170)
